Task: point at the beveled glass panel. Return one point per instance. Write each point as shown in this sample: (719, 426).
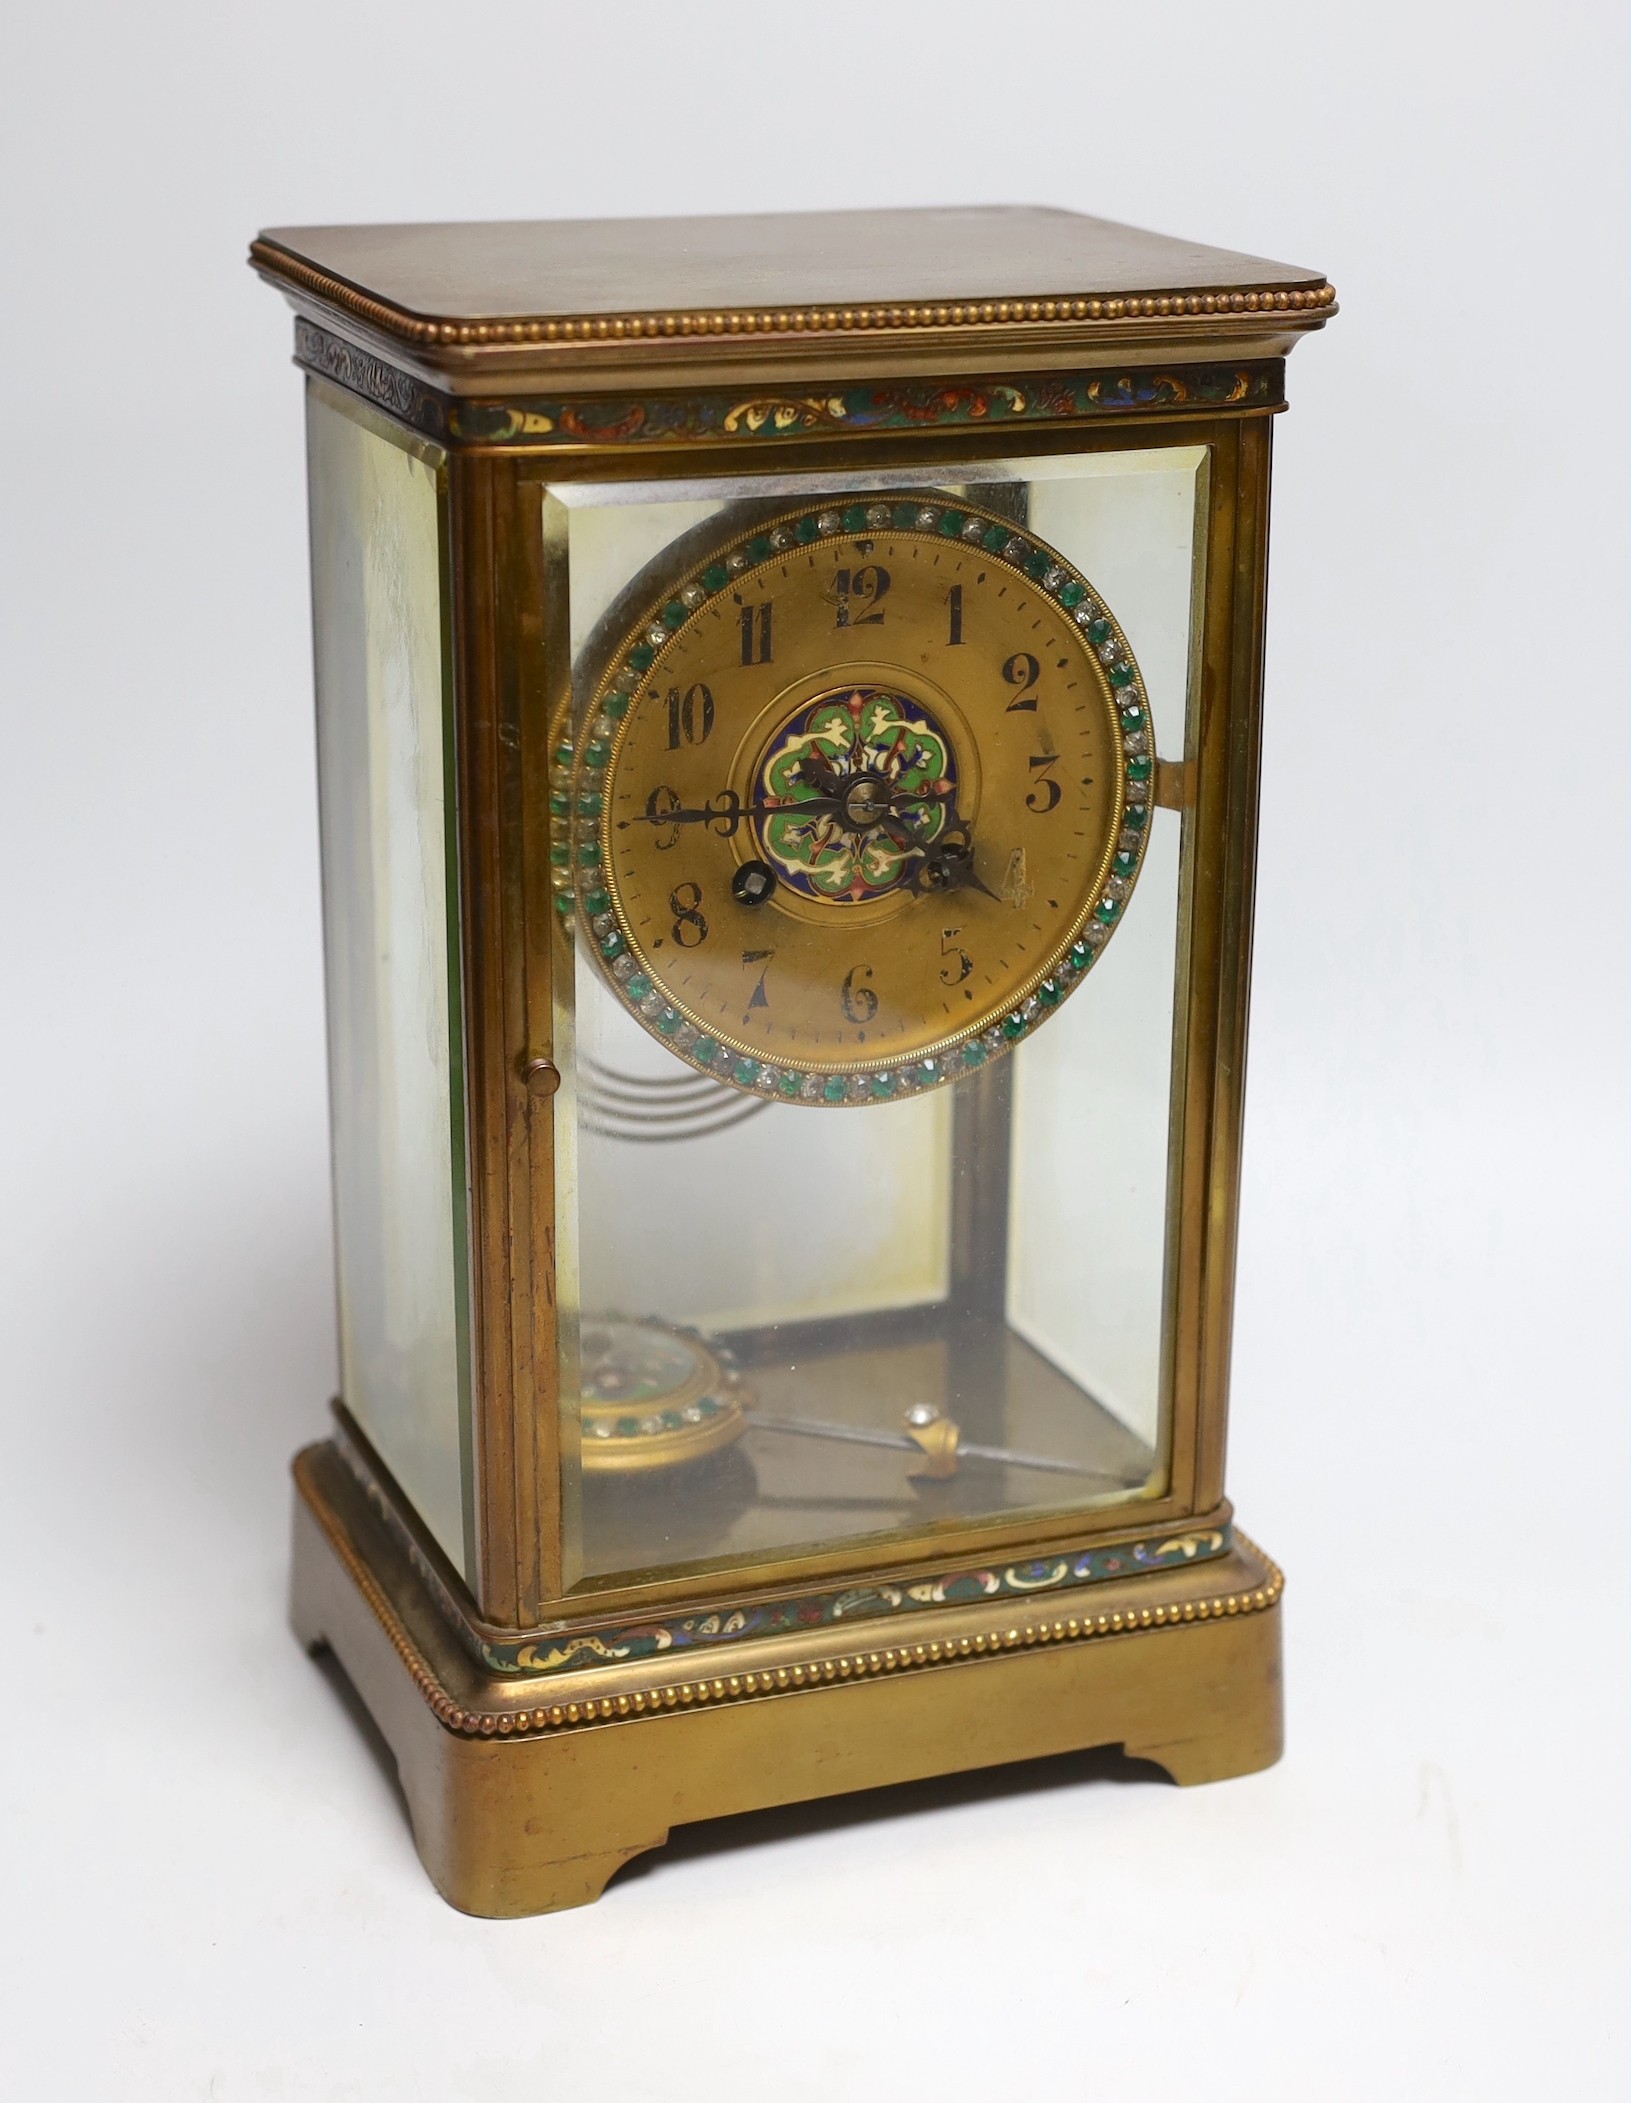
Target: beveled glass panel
(808, 1302)
(391, 956)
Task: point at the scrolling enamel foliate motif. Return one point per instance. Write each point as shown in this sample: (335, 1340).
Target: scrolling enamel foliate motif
(866, 734)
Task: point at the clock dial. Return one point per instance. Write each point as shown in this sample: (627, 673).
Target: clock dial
(860, 799)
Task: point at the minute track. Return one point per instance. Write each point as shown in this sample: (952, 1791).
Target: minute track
(873, 769)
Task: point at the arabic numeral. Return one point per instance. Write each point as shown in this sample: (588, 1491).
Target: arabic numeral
(760, 996)
(685, 903)
(1023, 671)
(859, 1002)
(860, 595)
(756, 633)
(661, 805)
(958, 962)
(1045, 791)
(691, 718)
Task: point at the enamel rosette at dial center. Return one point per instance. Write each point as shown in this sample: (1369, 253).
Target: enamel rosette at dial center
(902, 752)
(838, 866)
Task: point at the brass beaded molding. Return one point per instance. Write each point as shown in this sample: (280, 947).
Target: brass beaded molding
(748, 1686)
(788, 321)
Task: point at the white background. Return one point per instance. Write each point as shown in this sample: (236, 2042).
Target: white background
(207, 1889)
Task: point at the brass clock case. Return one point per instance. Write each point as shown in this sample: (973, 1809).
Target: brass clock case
(858, 799)
(578, 1623)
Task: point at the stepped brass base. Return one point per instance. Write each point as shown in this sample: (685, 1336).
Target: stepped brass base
(514, 1813)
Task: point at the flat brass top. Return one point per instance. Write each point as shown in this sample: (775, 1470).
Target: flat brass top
(780, 283)
(519, 269)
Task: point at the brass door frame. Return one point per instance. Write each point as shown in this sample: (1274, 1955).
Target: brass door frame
(510, 666)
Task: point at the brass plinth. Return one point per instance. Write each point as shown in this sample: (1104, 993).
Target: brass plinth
(516, 1814)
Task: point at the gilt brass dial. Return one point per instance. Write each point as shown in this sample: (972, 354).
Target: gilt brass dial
(860, 799)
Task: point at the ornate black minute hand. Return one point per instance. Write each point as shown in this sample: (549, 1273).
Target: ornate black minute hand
(818, 769)
(726, 811)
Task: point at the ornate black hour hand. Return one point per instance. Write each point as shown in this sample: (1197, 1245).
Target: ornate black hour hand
(814, 766)
(724, 812)
(948, 866)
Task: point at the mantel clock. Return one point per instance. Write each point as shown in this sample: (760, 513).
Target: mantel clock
(788, 711)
